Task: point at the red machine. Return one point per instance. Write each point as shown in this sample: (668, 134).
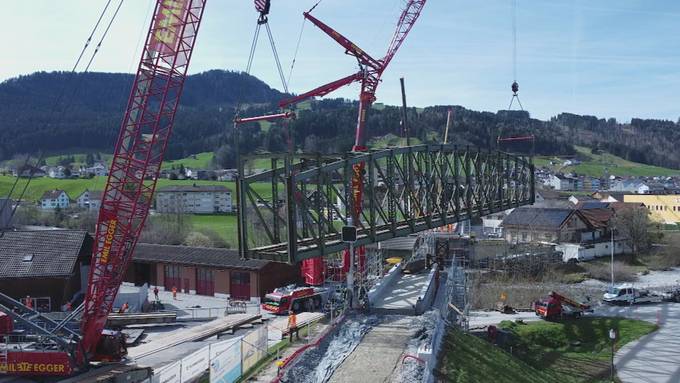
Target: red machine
(126, 200)
(369, 75)
(557, 306)
(284, 299)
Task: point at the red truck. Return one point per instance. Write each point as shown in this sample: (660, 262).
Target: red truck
(556, 306)
(283, 299)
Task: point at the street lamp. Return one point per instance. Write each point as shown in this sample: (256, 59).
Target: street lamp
(612, 336)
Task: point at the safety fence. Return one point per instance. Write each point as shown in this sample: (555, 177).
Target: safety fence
(222, 361)
(453, 312)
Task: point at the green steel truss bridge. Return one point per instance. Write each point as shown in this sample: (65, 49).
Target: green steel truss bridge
(297, 210)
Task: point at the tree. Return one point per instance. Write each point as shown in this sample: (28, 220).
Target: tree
(632, 224)
(89, 159)
(197, 239)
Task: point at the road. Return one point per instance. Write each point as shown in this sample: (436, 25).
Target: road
(654, 358)
(379, 353)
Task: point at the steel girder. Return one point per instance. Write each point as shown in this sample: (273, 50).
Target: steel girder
(308, 198)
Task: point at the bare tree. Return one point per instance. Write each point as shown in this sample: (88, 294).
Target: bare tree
(632, 224)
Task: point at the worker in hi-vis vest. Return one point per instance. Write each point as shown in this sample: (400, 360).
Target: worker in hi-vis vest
(292, 326)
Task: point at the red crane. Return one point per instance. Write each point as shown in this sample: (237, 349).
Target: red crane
(126, 199)
(369, 74)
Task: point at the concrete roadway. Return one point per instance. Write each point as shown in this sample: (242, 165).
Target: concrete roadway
(654, 358)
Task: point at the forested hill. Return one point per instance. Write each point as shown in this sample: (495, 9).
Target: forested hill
(94, 103)
(91, 107)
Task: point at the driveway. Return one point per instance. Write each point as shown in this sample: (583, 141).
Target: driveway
(655, 357)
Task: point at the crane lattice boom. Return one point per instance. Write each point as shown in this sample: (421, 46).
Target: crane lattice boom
(138, 155)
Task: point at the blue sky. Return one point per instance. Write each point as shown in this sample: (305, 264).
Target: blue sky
(609, 58)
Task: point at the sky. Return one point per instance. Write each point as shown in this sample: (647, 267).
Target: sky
(608, 58)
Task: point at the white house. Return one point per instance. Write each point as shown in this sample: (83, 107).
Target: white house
(90, 200)
(631, 186)
(196, 199)
(53, 199)
(559, 182)
(491, 224)
(586, 252)
(57, 172)
(98, 169)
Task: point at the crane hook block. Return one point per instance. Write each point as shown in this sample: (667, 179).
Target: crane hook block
(515, 87)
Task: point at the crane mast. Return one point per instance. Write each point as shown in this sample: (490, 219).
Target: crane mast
(138, 155)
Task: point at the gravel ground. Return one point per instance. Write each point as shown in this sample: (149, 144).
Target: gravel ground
(318, 364)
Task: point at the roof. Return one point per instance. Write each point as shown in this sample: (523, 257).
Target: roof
(195, 256)
(538, 217)
(592, 205)
(597, 217)
(45, 253)
(194, 188)
(52, 194)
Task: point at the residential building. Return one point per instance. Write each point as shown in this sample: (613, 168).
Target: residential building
(226, 174)
(543, 225)
(196, 199)
(208, 271)
(561, 182)
(56, 172)
(28, 171)
(492, 223)
(634, 186)
(53, 199)
(50, 266)
(608, 196)
(663, 208)
(90, 200)
(98, 169)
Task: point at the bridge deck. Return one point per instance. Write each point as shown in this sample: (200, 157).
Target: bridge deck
(402, 295)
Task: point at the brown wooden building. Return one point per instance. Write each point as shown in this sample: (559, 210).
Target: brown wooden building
(208, 271)
(49, 266)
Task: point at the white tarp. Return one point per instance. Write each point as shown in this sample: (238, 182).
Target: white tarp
(195, 364)
(225, 361)
(168, 374)
(253, 347)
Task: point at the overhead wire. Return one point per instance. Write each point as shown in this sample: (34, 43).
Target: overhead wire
(60, 95)
(297, 49)
(58, 101)
(276, 58)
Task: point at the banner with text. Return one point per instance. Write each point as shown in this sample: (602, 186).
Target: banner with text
(225, 361)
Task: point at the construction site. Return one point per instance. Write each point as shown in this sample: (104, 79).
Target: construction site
(374, 265)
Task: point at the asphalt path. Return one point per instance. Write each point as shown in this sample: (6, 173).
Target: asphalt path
(654, 358)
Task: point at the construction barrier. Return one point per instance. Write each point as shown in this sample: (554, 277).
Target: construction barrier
(253, 347)
(195, 364)
(225, 361)
(429, 291)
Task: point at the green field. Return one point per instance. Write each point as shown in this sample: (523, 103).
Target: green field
(196, 161)
(80, 159)
(595, 165)
(73, 187)
(569, 351)
(224, 225)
